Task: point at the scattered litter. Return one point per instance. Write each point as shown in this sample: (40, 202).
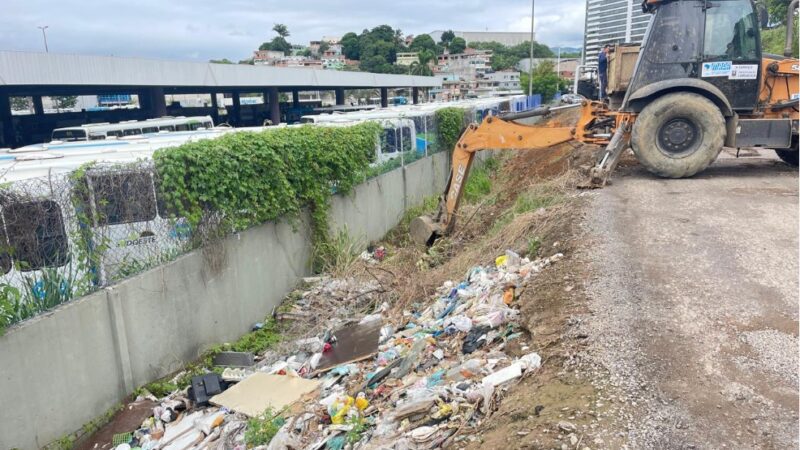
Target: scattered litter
(204, 387)
(260, 391)
(233, 359)
(359, 378)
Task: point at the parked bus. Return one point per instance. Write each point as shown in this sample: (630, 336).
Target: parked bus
(101, 131)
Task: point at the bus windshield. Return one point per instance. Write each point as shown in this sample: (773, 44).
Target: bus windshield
(69, 135)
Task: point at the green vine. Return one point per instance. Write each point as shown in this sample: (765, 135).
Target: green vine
(252, 177)
(451, 123)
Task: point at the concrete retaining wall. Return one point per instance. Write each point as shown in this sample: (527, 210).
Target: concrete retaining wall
(64, 368)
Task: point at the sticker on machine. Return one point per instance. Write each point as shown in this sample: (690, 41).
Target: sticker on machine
(717, 69)
(744, 72)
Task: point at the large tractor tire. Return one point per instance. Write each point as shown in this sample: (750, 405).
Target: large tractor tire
(789, 156)
(678, 135)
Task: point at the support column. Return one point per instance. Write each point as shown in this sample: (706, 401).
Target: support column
(339, 96)
(5, 121)
(384, 97)
(156, 101)
(274, 107)
(214, 108)
(38, 106)
(236, 109)
(295, 98)
(415, 95)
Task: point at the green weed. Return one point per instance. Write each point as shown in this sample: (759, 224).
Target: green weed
(534, 244)
(260, 430)
(338, 253)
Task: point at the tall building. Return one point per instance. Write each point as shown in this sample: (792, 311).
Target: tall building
(610, 22)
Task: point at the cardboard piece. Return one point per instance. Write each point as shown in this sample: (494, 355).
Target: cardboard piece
(259, 391)
(353, 343)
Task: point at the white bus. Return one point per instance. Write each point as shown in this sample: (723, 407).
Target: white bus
(102, 131)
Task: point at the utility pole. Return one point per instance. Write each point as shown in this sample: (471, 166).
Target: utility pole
(44, 36)
(530, 65)
(558, 68)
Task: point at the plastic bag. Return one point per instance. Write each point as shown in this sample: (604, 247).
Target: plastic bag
(460, 323)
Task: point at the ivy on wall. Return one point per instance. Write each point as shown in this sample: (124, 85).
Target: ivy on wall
(451, 123)
(251, 177)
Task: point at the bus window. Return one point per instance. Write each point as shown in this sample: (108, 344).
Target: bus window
(405, 133)
(149, 130)
(166, 128)
(69, 135)
(389, 141)
(117, 133)
(132, 132)
(97, 137)
(124, 197)
(182, 127)
(208, 125)
(36, 234)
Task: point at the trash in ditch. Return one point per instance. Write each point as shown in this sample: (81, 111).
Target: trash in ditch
(233, 359)
(260, 391)
(416, 381)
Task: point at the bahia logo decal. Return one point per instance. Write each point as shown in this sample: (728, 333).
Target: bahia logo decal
(717, 69)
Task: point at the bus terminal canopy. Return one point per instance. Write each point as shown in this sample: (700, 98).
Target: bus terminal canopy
(27, 71)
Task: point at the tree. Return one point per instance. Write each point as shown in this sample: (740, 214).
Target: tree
(422, 66)
(447, 38)
(423, 42)
(504, 58)
(281, 30)
(323, 47)
(279, 42)
(545, 80)
(458, 45)
(64, 101)
(21, 103)
(220, 61)
(350, 46)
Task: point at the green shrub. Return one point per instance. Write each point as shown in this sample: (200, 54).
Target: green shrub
(451, 124)
(252, 177)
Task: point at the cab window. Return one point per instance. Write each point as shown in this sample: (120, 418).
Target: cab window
(730, 31)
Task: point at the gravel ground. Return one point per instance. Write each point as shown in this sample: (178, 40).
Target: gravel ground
(694, 306)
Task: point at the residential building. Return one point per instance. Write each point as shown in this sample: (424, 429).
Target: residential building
(610, 22)
(267, 57)
(494, 83)
(406, 58)
(507, 38)
(467, 65)
(565, 67)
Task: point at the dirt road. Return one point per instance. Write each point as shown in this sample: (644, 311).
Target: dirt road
(694, 304)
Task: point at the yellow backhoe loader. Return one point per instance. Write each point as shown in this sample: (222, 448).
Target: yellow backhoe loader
(700, 83)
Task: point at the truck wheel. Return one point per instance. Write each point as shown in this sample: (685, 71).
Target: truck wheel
(678, 135)
(790, 157)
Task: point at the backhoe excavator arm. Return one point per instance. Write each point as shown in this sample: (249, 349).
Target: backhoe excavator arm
(493, 133)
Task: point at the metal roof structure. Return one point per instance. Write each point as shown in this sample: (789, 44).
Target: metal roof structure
(28, 72)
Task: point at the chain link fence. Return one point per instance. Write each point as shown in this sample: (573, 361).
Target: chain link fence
(67, 235)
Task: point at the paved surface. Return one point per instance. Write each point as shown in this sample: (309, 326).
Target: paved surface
(694, 304)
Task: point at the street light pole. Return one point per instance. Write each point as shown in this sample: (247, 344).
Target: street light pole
(530, 65)
(44, 36)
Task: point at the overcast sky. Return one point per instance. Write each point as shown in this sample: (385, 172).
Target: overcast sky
(206, 29)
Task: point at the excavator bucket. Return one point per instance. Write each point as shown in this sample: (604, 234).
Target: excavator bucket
(424, 230)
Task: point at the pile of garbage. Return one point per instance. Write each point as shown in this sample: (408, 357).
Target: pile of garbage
(419, 384)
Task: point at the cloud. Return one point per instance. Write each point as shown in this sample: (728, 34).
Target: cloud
(205, 29)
